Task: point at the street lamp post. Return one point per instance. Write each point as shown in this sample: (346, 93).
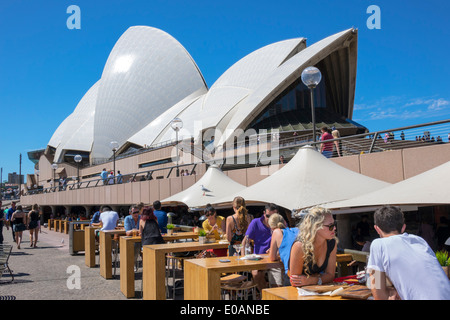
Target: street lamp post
(176, 125)
(114, 145)
(54, 167)
(311, 77)
(78, 159)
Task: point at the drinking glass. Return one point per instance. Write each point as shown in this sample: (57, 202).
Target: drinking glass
(237, 247)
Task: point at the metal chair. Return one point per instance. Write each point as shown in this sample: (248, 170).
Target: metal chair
(239, 290)
(5, 252)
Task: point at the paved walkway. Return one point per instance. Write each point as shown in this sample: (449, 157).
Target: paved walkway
(42, 273)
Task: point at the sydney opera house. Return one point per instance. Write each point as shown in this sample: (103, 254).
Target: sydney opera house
(151, 114)
(149, 79)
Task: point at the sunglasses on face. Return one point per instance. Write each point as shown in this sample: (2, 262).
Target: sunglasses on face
(331, 226)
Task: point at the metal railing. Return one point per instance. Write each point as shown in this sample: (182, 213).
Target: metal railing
(437, 132)
(126, 178)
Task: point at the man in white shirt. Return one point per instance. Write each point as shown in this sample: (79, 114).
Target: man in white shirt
(404, 259)
(108, 219)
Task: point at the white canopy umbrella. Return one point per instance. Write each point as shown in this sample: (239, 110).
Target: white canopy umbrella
(309, 179)
(427, 188)
(213, 185)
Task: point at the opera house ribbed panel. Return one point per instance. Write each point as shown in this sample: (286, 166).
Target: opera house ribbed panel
(150, 79)
(147, 72)
(76, 132)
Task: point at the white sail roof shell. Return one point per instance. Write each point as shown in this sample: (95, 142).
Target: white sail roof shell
(149, 79)
(147, 72)
(282, 76)
(76, 131)
(233, 86)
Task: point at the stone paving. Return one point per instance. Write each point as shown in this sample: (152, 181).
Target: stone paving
(43, 273)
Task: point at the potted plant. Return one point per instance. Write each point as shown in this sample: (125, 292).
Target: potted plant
(201, 236)
(444, 261)
(169, 228)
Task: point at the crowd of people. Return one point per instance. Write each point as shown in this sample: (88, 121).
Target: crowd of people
(20, 220)
(307, 248)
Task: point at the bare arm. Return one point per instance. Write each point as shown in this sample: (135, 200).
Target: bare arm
(229, 228)
(277, 235)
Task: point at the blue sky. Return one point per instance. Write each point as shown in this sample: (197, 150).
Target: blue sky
(46, 68)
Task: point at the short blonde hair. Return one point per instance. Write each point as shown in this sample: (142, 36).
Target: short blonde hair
(276, 220)
(335, 134)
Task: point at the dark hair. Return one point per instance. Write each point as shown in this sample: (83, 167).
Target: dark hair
(389, 219)
(209, 209)
(105, 208)
(157, 205)
(271, 207)
(148, 214)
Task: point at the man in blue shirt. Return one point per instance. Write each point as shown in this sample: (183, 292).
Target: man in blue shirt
(104, 175)
(260, 232)
(161, 215)
(132, 221)
(9, 216)
(95, 218)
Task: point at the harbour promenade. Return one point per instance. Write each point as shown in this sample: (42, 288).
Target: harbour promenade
(42, 273)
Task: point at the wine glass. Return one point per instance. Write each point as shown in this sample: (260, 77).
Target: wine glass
(237, 247)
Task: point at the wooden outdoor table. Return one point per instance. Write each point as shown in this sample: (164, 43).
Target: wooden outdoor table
(179, 236)
(50, 224)
(89, 246)
(154, 264)
(202, 276)
(127, 252)
(291, 293)
(65, 227)
(105, 251)
(56, 223)
(127, 258)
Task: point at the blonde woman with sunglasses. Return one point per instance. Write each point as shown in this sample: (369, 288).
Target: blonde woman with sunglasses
(313, 254)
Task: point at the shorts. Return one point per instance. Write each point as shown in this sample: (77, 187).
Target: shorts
(278, 277)
(32, 225)
(19, 227)
(327, 154)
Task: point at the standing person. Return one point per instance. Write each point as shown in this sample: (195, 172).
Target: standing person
(9, 216)
(160, 215)
(326, 148)
(104, 176)
(149, 229)
(2, 220)
(119, 177)
(259, 231)
(111, 178)
(313, 254)
(280, 248)
(19, 221)
(33, 219)
(215, 225)
(337, 150)
(237, 224)
(401, 257)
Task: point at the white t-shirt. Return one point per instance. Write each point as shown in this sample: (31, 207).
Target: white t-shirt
(109, 220)
(411, 266)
